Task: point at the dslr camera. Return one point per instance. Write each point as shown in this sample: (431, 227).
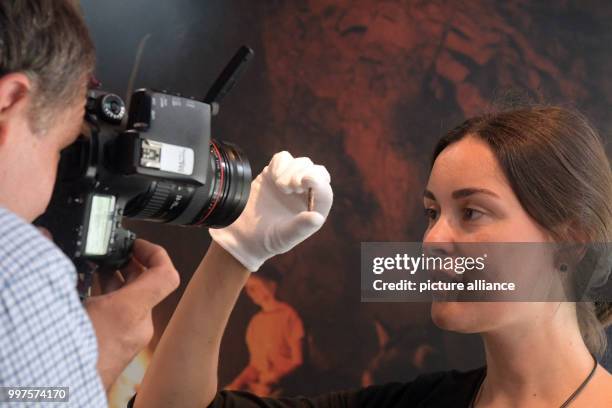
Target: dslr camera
(156, 161)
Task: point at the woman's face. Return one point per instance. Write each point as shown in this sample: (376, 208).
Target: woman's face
(469, 200)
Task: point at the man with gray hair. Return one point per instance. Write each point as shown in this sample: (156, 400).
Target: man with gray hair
(47, 337)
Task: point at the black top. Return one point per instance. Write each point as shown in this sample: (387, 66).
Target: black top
(436, 390)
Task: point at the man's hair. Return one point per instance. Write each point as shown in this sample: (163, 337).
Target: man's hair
(48, 41)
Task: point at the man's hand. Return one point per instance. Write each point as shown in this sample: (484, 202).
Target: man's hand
(122, 315)
(276, 217)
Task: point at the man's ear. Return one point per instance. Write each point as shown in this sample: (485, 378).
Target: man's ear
(14, 96)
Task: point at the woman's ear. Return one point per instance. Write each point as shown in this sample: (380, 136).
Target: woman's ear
(568, 256)
(577, 242)
(14, 97)
(582, 242)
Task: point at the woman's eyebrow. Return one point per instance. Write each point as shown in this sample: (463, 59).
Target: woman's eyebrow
(465, 192)
(462, 193)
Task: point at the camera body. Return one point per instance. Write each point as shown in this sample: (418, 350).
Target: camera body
(158, 163)
(163, 167)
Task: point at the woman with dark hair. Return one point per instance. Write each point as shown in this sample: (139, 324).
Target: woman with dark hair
(537, 175)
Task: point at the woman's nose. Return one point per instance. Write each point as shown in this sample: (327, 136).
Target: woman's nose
(440, 238)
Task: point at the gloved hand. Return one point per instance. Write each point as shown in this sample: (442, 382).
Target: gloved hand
(276, 216)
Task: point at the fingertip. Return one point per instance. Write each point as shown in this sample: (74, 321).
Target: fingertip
(284, 153)
(280, 163)
(283, 185)
(316, 175)
(303, 162)
(280, 157)
(311, 218)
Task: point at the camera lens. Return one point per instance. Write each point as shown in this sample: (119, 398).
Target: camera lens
(215, 204)
(232, 185)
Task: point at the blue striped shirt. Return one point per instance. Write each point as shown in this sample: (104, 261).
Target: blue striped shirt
(46, 337)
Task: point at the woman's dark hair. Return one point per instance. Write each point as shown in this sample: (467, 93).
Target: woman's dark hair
(557, 166)
(48, 41)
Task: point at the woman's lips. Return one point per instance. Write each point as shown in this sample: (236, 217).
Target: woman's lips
(446, 275)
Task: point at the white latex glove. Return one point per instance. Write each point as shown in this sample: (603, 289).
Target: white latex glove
(276, 216)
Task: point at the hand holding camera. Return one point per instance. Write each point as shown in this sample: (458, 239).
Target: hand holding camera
(122, 314)
(121, 310)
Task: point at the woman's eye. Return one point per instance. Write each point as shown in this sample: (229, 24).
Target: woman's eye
(471, 214)
(430, 213)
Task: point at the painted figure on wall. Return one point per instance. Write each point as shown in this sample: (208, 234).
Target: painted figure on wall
(274, 338)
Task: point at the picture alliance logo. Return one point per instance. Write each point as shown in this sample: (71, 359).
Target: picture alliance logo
(412, 264)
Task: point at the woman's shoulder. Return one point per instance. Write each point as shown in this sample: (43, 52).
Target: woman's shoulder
(440, 389)
(598, 393)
